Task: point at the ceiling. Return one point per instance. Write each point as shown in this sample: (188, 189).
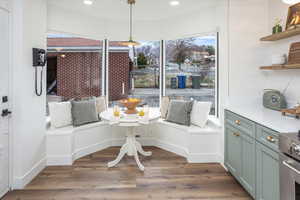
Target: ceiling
(143, 10)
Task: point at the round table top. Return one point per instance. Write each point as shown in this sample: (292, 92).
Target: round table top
(125, 119)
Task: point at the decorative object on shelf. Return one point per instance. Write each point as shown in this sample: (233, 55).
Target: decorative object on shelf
(130, 104)
(293, 111)
(294, 54)
(274, 100)
(278, 59)
(278, 27)
(293, 19)
(282, 35)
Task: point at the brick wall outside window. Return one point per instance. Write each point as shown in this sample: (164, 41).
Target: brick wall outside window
(79, 74)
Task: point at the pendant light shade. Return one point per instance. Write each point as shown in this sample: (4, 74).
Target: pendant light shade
(130, 42)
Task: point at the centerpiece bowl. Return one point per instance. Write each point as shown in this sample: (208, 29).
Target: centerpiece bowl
(130, 104)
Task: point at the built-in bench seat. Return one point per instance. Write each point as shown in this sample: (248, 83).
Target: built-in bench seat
(198, 145)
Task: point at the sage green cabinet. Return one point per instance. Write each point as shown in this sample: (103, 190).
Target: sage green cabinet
(233, 151)
(267, 173)
(240, 157)
(251, 156)
(247, 174)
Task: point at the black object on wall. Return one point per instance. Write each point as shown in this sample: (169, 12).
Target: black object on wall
(39, 60)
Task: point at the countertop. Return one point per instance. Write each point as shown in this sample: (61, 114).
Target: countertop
(268, 118)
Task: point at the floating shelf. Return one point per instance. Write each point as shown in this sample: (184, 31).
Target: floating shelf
(282, 35)
(281, 67)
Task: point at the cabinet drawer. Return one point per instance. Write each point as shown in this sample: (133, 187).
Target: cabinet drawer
(267, 137)
(241, 123)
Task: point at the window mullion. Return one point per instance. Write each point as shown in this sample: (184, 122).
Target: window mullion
(162, 69)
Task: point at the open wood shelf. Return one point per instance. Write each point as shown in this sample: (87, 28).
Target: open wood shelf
(280, 67)
(282, 35)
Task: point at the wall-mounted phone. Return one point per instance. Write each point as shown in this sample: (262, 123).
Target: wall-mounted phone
(39, 60)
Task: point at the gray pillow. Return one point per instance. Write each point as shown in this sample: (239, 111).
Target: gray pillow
(179, 112)
(84, 112)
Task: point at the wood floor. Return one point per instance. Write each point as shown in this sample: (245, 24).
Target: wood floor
(166, 176)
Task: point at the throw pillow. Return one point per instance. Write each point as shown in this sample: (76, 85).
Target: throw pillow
(60, 113)
(179, 112)
(165, 101)
(84, 112)
(101, 104)
(200, 113)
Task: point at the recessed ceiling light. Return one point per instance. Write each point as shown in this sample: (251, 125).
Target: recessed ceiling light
(291, 1)
(88, 2)
(174, 3)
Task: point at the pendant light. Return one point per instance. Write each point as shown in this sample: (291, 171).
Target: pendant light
(131, 42)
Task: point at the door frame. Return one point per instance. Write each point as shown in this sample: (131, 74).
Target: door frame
(7, 7)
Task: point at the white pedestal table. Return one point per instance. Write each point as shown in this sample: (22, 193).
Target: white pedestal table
(131, 147)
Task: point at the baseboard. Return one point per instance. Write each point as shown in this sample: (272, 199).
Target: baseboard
(21, 182)
(172, 148)
(2, 193)
(79, 153)
(59, 160)
(203, 158)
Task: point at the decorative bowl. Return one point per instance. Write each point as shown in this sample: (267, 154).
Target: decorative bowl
(130, 104)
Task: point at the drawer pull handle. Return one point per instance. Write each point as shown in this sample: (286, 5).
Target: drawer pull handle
(238, 122)
(236, 134)
(271, 139)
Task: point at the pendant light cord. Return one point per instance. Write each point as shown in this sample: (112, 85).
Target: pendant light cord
(131, 21)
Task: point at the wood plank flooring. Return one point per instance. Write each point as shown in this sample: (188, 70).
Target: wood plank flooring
(166, 176)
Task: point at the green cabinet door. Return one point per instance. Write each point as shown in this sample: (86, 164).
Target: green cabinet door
(233, 150)
(247, 174)
(240, 157)
(267, 173)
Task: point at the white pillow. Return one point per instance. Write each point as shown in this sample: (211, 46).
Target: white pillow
(200, 113)
(101, 104)
(165, 101)
(61, 114)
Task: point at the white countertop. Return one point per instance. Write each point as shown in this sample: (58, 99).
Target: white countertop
(268, 118)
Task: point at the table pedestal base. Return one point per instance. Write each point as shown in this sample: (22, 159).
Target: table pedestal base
(131, 148)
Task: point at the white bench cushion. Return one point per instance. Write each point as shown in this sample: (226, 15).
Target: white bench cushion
(71, 129)
(210, 128)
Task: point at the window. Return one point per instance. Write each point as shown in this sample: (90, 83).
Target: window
(119, 66)
(73, 68)
(190, 69)
(145, 72)
(134, 72)
(184, 68)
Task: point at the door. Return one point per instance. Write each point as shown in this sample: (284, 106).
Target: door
(4, 101)
(233, 151)
(248, 163)
(267, 173)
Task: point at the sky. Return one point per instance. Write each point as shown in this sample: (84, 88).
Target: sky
(206, 40)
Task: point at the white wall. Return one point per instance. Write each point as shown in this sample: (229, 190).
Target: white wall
(28, 122)
(249, 21)
(67, 21)
(280, 79)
